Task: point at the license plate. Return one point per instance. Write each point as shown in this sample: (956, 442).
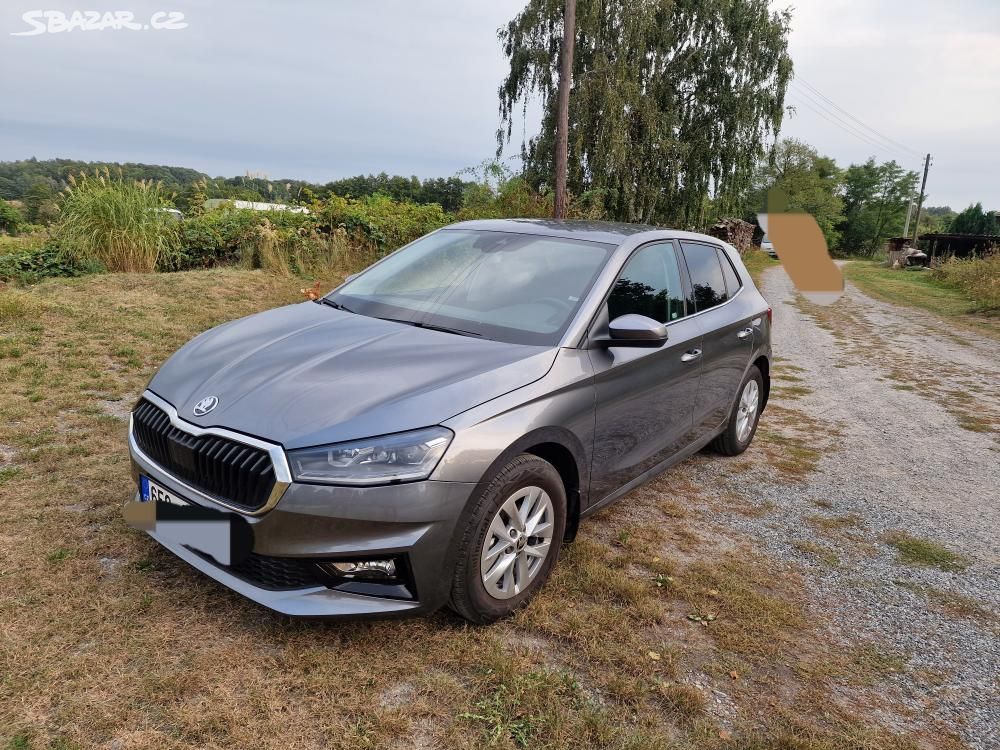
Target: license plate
(150, 490)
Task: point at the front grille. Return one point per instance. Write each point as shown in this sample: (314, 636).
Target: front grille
(277, 573)
(233, 472)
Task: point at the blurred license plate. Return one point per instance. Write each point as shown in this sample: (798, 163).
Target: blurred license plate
(150, 490)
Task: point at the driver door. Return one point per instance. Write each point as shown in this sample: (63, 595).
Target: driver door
(645, 397)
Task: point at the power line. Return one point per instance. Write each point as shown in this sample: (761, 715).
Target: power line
(848, 128)
(829, 114)
(860, 122)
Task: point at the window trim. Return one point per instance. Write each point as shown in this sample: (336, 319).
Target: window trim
(722, 251)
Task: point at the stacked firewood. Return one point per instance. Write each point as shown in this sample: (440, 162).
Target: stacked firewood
(736, 232)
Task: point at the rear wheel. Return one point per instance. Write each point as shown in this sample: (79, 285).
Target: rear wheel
(512, 541)
(743, 420)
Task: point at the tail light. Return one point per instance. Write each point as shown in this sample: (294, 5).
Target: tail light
(770, 316)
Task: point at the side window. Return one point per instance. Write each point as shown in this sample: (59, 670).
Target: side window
(708, 285)
(650, 285)
(732, 278)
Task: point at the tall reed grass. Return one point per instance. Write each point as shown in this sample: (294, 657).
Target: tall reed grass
(115, 222)
(977, 278)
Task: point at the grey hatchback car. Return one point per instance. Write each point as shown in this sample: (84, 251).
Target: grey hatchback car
(433, 430)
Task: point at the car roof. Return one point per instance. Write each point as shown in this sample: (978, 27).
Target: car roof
(608, 232)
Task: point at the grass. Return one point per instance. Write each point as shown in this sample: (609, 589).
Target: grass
(953, 603)
(923, 552)
(111, 641)
(825, 554)
(115, 222)
(923, 290)
(757, 261)
(977, 278)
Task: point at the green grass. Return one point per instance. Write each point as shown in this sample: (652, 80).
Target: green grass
(919, 289)
(916, 551)
(757, 261)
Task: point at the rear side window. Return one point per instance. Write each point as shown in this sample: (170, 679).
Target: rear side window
(650, 285)
(708, 285)
(732, 278)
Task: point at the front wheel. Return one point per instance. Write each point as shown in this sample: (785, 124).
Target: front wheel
(742, 424)
(511, 542)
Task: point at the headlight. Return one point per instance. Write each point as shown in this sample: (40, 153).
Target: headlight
(405, 456)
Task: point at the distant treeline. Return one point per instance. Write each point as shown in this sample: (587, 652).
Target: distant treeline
(35, 180)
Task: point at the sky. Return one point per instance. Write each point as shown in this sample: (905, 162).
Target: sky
(321, 89)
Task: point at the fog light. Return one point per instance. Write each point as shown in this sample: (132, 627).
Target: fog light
(362, 568)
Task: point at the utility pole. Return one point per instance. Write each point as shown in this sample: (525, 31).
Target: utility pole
(909, 214)
(562, 124)
(920, 198)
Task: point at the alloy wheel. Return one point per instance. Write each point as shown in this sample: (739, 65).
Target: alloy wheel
(517, 543)
(746, 413)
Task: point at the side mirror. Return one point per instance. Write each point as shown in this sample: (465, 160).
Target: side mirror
(634, 330)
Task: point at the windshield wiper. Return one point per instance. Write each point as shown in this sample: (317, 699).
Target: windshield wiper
(432, 327)
(335, 305)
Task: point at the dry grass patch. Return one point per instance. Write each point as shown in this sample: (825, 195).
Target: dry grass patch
(818, 551)
(835, 523)
(111, 641)
(952, 603)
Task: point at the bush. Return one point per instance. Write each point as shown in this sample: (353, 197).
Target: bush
(116, 223)
(34, 264)
(380, 222)
(977, 278)
(285, 251)
(278, 241)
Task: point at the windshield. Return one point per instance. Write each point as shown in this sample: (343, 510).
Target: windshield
(518, 288)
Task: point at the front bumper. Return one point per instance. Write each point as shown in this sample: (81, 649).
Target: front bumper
(413, 522)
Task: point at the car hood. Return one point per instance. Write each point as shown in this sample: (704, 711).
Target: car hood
(308, 374)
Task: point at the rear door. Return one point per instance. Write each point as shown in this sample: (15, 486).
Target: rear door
(727, 338)
(645, 397)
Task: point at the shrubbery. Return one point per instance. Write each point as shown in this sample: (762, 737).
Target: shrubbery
(119, 225)
(33, 264)
(977, 278)
(382, 222)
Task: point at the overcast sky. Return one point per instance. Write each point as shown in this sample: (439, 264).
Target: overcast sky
(320, 89)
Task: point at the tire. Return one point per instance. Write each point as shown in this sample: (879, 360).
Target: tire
(482, 549)
(730, 442)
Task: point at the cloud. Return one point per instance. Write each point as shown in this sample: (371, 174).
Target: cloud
(325, 88)
(925, 74)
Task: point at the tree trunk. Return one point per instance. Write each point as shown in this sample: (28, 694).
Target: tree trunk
(562, 125)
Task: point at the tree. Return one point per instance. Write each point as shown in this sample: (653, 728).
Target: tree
(810, 182)
(974, 220)
(40, 204)
(935, 219)
(10, 218)
(875, 202)
(672, 100)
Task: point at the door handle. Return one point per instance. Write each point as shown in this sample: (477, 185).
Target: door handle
(691, 356)
(744, 333)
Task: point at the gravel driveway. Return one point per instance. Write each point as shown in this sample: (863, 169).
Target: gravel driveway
(887, 391)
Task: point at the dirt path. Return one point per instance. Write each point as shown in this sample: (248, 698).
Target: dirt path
(905, 451)
(903, 412)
